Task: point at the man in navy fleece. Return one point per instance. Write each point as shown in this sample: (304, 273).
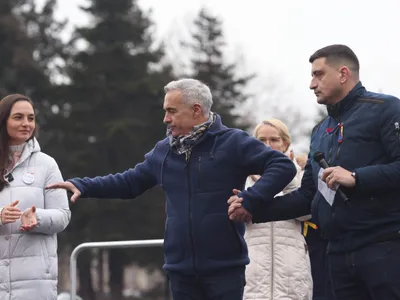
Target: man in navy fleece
(198, 165)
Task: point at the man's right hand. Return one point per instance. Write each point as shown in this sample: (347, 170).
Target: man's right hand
(10, 213)
(66, 186)
(235, 211)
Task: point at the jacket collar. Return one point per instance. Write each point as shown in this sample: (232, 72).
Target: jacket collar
(31, 147)
(339, 108)
(217, 127)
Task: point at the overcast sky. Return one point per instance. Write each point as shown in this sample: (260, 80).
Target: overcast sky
(276, 38)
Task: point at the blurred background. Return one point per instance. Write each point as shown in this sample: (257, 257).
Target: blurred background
(96, 71)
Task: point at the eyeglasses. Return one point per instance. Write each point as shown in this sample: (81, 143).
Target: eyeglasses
(274, 139)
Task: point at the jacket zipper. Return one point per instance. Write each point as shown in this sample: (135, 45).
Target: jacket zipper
(340, 142)
(336, 134)
(198, 172)
(8, 259)
(338, 152)
(337, 156)
(330, 148)
(272, 260)
(188, 155)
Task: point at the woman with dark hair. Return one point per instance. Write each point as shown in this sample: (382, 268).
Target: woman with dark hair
(30, 216)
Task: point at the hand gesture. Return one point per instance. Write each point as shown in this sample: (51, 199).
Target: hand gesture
(235, 211)
(66, 186)
(28, 219)
(10, 213)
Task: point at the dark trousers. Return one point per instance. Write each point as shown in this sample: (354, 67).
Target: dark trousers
(322, 286)
(226, 284)
(370, 273)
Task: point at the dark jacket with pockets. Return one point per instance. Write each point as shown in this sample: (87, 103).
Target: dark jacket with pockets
(199, 237)
(370, 146)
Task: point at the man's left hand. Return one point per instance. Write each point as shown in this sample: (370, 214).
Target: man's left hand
(337, 175)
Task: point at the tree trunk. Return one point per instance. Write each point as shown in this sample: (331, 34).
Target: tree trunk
(116, 271)
(85, 277)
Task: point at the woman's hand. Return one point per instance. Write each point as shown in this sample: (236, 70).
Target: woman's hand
(10, 213)
(28, 219)
(290, 154)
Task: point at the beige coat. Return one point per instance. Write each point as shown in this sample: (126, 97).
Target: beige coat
(279, 266)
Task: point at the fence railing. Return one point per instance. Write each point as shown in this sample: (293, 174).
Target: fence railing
(104, 245)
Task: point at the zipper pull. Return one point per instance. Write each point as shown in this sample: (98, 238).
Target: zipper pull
(397, 128)
(188, 153)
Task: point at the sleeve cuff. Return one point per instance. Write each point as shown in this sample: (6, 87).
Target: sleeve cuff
(356, 176)
(78, 186)
(246, 204)
(1, 210)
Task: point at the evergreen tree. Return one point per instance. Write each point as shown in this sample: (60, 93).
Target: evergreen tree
(111, 116)
(29, 46)
(29, 49)
(209, 65)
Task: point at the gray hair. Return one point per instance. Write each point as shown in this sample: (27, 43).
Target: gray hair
(193, 91)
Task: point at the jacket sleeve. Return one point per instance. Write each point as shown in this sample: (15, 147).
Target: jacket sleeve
(384, 176)
(276, 170)
(126, 185)
(290, 206)
(56, 215)
(298, 178)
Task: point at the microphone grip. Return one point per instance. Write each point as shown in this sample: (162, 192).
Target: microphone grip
(323, 164)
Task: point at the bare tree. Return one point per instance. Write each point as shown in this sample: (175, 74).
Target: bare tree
(273, 100)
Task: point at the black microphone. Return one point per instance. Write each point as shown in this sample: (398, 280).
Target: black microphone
(319, 157)
(9, 178)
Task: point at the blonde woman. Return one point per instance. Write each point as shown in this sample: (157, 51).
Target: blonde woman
(279, 263)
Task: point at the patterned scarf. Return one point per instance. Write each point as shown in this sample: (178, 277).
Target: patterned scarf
(184, 143)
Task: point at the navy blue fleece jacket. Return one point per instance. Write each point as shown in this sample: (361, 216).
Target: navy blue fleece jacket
(199, 237)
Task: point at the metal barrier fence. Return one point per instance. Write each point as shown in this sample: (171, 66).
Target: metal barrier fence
(104, 245)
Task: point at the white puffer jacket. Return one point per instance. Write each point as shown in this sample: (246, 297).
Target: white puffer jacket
(279, 266)
(28, 260)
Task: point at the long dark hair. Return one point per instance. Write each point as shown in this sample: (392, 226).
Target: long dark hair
(6, 105)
